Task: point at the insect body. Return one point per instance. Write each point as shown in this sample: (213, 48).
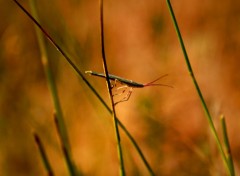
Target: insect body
(127, 83)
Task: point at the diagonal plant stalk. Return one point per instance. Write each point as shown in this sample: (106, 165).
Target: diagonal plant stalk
(206, 111)
(53, 89)
(227, 146)
(79, 73)
(50, 79)
(115, 123)
(43, 155)
(68, 159)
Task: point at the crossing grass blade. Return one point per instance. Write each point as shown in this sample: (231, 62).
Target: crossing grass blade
(115, 123)
(79, 73)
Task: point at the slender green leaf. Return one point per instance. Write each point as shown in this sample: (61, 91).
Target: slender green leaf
(68, 159)
(115, 123)
(53, 89)
(43, 155)
(207, 113)
(227, 145)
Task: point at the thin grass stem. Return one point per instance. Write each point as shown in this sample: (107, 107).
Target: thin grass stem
(79, 73)
(115, 123)
(50, 79)
(227, 145)
(207, 113)
(53, 89)
(43, 155)
(68, 159)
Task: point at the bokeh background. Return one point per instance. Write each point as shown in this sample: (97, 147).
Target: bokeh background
(168, 124)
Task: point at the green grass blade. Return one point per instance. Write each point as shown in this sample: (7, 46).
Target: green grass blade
(68, 159)
(79, 73)
(53, 89)
(208, 116)
(227, 146)
(50, 79)
(43, 155)
(115, 123)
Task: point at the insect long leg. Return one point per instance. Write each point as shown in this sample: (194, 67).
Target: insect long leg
(122, 92)
(126, 98)
(114, 84)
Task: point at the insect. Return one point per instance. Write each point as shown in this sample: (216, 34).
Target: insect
(127, 83)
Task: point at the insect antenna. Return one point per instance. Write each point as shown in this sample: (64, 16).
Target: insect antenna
(152, 83)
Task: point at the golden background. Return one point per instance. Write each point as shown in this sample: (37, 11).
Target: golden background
(141, 44)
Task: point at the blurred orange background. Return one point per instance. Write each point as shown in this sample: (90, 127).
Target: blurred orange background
(141, 44)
